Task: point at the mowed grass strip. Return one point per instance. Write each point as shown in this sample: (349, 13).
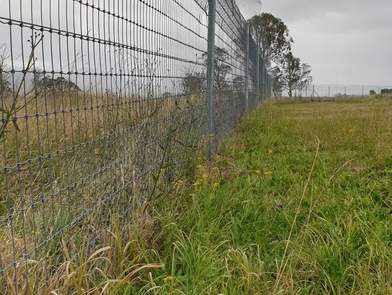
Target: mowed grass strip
(298, 200)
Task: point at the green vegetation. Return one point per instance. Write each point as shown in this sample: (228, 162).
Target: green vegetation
(297, 201)
(273, 37)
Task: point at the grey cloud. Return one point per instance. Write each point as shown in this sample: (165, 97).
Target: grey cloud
(346, 42)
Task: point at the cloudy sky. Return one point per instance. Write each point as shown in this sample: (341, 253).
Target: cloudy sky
(345, 41)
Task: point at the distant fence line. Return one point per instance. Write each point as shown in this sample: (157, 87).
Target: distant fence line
(341, 90)
(103, 105)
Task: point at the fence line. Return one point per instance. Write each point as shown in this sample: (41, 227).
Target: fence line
(103, 105)
(331, 91)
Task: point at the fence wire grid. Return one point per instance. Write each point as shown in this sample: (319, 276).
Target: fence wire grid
(103, 104)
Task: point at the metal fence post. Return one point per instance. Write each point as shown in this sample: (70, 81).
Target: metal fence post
(258, 73)
(264, 81)
(247, 68)
(210, 76)
(262, 86)
(269, 86)
(266, 85)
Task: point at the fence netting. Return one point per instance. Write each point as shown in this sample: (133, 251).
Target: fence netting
(103, 106)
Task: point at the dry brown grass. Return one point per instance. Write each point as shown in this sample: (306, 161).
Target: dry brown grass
(74, 164)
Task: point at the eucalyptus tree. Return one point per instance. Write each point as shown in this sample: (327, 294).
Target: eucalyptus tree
(272, 36)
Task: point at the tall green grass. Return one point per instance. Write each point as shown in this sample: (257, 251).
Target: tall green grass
(298, 201)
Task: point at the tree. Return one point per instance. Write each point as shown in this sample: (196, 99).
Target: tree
(272, 36)
(222, 68)
(277, 82)
(294, 75)
(239, 84)
(193, 83)
(55, 86)
(305, 78)
(5, 84)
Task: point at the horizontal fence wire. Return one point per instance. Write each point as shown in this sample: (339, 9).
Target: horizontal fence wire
(103, 105)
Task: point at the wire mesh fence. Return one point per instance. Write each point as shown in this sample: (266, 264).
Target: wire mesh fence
(103, 104)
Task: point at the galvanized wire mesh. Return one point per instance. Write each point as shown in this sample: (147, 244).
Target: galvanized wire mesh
(103, 103)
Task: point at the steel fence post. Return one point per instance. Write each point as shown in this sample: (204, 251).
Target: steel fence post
(262, 88)
(267, 83)
(258, 73)
(266, 86)
(264, 81)
(210, 76)
(247, 68)
(269, 86)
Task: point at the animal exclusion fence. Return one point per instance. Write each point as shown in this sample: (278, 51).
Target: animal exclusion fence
(103, 104)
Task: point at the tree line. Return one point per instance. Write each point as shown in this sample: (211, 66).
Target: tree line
(273, 38)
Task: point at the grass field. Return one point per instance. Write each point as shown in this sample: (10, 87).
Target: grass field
(298, 201)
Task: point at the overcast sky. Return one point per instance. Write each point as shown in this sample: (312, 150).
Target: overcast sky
(345, 41)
